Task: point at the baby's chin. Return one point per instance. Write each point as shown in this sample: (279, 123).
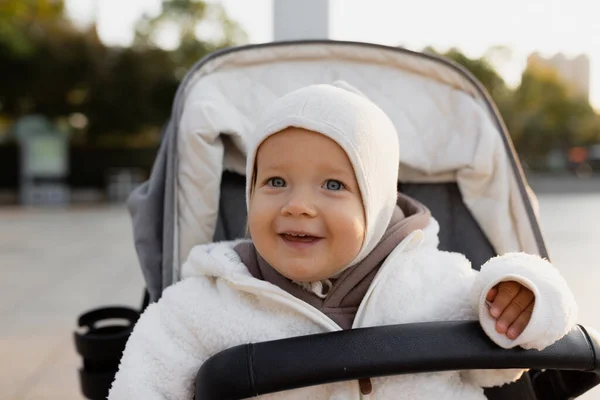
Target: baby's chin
(303, 275)
(300, 277)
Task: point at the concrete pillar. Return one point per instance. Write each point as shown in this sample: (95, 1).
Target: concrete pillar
(300, 19)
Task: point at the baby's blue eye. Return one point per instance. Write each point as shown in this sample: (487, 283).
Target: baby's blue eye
(332, 184)
(277, 182)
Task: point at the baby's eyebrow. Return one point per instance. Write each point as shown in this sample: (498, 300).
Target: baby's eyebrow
(271, 166)
(344, 172)
(326, 167)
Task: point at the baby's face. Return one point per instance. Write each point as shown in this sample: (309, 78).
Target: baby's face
(306, 215)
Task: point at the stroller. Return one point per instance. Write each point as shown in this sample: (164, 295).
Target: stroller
(456, 158)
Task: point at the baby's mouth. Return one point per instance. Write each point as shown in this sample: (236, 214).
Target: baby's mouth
(299, 237)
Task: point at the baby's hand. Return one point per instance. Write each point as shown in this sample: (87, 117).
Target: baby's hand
(511, 304)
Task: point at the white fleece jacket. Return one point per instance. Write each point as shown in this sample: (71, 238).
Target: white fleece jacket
(219, 305)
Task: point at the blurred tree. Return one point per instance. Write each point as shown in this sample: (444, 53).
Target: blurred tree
(104, 94)
(548, 117)
(487, 75)
(541, 114)
(199, 28)
(20, 22)
(46, 58)
(131, 94)
(481, 68)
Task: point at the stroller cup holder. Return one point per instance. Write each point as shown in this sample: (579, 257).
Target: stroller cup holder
(100, 341)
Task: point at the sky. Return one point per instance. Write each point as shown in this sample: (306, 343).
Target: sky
(524, 26)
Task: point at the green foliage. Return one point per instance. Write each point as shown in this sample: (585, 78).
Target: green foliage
(105, 94)
(21, 21)
(542, 114)
(191, 20)
(548, 116)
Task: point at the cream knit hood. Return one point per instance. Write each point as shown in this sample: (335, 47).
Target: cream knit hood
(360, 128)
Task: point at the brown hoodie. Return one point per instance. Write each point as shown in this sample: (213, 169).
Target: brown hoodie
(348, 289)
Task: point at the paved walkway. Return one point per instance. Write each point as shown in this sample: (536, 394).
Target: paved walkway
(57, 263)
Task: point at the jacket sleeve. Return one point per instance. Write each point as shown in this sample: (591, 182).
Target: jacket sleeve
(555, 309)
(162, 355)
(554, 312)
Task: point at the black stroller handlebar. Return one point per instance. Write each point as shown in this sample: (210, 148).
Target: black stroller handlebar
(260, 368)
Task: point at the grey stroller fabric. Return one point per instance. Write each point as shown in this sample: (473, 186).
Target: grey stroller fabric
(151, 224)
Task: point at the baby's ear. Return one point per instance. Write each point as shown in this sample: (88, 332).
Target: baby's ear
(346, 86)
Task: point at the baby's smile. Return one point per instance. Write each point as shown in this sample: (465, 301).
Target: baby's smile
(299, 240)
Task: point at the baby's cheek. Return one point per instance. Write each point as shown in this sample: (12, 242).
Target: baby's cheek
(352, 237)
(359, 231)
(259, 229)
(260, 216)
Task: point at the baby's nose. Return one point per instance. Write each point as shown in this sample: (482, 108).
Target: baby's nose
(299, 204)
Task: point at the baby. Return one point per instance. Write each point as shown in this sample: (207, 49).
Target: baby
(333, 247)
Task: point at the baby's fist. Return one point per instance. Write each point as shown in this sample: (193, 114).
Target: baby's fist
(511, 304)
